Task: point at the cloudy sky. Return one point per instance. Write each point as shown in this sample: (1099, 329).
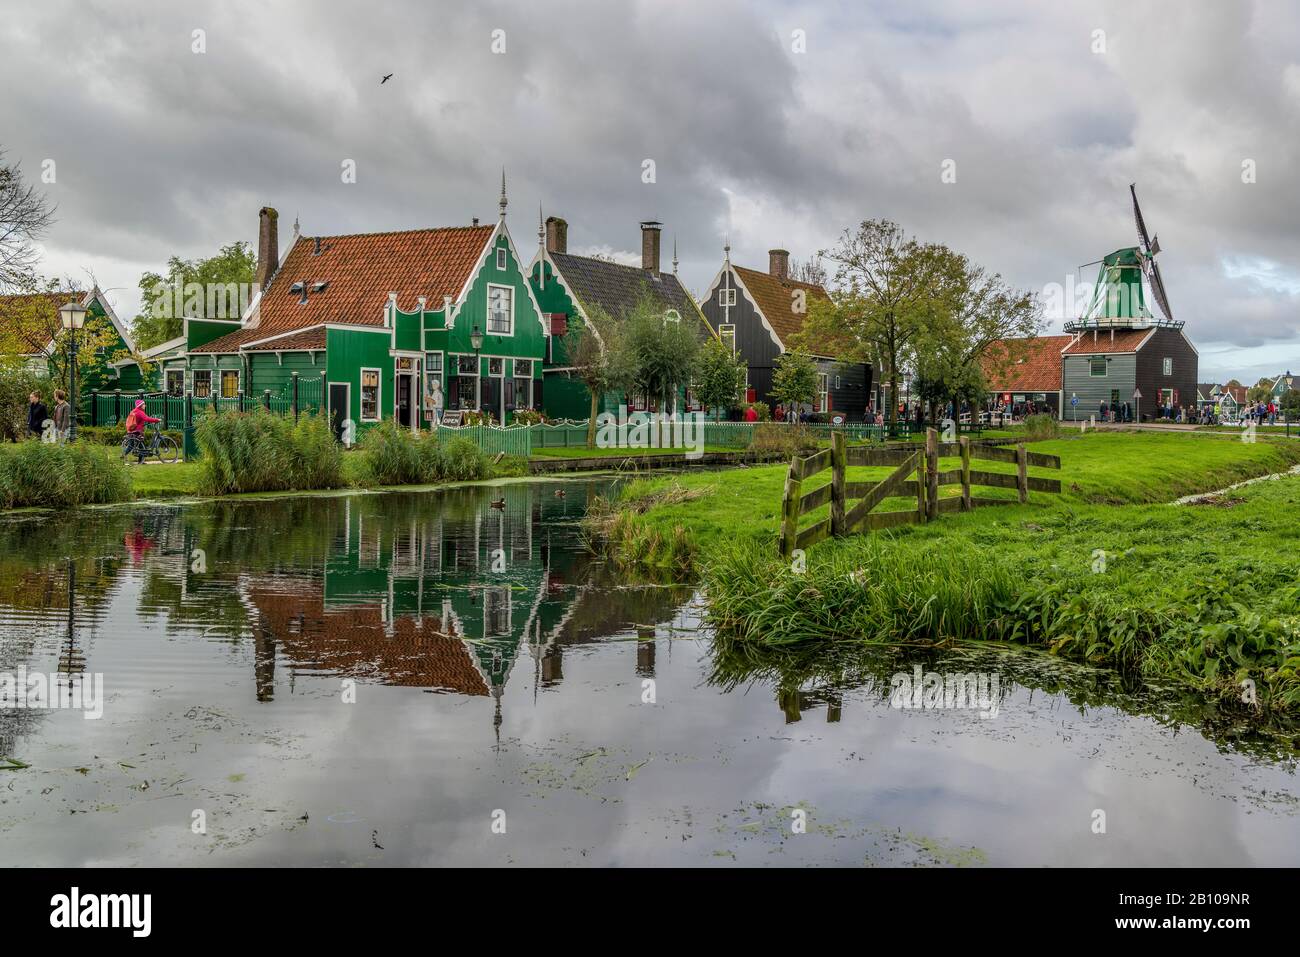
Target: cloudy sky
(776, 123)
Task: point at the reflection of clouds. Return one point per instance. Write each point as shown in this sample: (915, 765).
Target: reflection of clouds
(582, 764)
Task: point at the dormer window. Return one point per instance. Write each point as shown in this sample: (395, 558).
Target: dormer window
(301, 289)
(501, 259)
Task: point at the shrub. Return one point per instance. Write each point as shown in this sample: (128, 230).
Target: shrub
(773, 437)
(528, 417)
(264, 452)
(762, 411)
(40, 474)
(17, 382)
(394, 456)
(474, 417)
(1042, 426)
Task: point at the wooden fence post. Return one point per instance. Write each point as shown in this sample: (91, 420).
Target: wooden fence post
(932, 473)
(790, 511)
(839, 464)
(965, 473)
(922, 513)
(1022, 473)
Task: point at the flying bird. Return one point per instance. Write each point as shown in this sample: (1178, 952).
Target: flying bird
(385, 79)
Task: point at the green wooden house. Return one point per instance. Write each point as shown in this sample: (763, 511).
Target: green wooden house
(568, 287)
(31, 326)
(371, 320)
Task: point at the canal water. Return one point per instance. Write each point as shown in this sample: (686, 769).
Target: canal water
(427, 679)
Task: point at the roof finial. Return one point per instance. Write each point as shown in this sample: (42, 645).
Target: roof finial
(541, 228)
(674, 255)
(503, 193)
(726, 249)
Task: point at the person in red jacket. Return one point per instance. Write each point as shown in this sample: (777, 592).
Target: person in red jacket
(136, 420)
(751, 414)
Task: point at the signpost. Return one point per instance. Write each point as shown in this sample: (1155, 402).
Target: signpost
(1074, 406)
(451, 418)
(1137, 406)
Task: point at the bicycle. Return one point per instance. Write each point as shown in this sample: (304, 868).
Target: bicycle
(162, 446)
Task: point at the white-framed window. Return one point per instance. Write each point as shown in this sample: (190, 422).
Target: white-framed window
(1169, 366)
(229, 383)
(1097, 367)
(467, 378)
(823, 399)
(727, 333)
(523, 388)
(726, 297)
(501, 259)
(202, 383)
(500, 317)
(370, 395)
(175, 381)
(524, 367)
(837, 382)
(433, 362)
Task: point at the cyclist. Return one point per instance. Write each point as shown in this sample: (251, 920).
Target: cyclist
(135, 423)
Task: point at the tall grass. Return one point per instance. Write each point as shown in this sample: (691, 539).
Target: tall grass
(394, 456)
(37, 474)
(263, 452)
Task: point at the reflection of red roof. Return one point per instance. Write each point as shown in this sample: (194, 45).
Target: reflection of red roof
(354, 642)
(1025, 365)
(1108, 343)
(360, 271)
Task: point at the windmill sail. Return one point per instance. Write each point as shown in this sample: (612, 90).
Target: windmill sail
(1149, 250)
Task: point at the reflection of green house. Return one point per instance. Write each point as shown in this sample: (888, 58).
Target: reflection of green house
(375, 319)
(569, 287)
(31, 326)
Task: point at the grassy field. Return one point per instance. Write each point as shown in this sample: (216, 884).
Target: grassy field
(1206, 596)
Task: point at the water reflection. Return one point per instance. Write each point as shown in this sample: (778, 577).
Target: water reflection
(498, 662)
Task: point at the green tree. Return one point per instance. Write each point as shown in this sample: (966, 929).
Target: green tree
(1261, 391)
(1291, 403)
(886, 292)
(794, 379)
(719, 377)
(661, 351)
(974, 317)
(600, 360)
(214, 288)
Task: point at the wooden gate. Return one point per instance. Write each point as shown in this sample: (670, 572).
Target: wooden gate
(916, 473)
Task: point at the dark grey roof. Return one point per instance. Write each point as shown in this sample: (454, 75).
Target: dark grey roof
(617, 288)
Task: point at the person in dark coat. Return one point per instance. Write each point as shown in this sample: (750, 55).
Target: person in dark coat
(36, 415)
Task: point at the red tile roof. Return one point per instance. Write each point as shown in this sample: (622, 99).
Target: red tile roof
(1025, 365)
(1108, 342)
(307, 339)
(776, 300)
(361, 270)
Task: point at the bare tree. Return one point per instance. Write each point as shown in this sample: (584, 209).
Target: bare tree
(811, 270)
(25, 214)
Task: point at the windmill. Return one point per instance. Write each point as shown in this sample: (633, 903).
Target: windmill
(1150, 247)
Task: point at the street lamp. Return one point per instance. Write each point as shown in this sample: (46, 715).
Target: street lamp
(73, 317)
(476, 343)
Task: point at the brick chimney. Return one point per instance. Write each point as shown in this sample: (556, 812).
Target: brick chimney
(650, 246)
(268, 246)
(557, 235)
(778, 263)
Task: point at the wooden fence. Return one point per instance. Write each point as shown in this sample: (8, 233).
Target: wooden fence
(916, 473)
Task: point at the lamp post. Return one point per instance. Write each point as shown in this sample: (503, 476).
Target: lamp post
(73, 317)
(476, 343)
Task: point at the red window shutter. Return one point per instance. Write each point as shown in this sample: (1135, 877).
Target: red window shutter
(559, 323)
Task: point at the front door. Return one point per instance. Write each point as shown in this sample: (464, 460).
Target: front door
(404, 400)
(338, 407)
(491, 397)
